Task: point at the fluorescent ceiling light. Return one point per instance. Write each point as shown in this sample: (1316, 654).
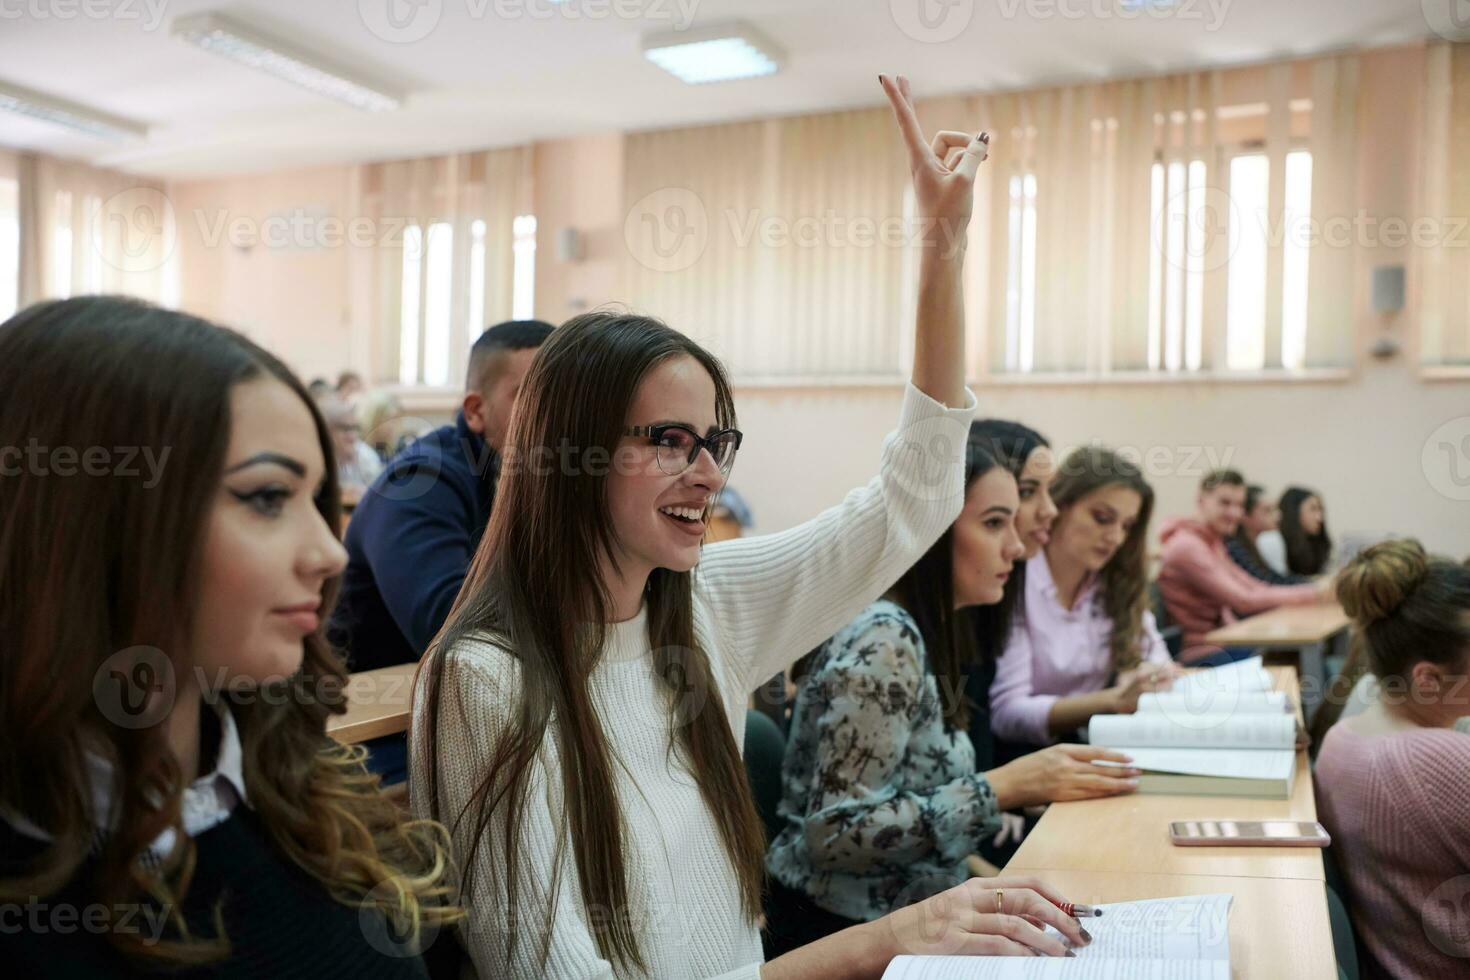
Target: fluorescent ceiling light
(48, 108)
(247, 46)
(714, 54)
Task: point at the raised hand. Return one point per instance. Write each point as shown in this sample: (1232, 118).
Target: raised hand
(943, 169)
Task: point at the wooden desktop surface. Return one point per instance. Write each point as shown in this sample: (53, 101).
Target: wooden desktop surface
(1283, 626)
(378, 703)
(1278, 927)
(1131, 833)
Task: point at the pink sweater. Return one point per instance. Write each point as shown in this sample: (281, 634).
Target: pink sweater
(1203, 589)
(1398, 809)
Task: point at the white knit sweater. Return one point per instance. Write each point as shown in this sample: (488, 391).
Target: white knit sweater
(759, 604)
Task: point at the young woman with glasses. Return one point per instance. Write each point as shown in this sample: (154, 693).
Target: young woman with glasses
(579, 716)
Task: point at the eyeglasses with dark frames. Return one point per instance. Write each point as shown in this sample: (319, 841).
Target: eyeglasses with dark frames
(678, 445)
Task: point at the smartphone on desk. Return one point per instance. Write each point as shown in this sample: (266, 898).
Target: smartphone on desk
(1248, 833)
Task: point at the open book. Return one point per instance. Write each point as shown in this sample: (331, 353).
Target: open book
(1186, 938)
(1205, 755)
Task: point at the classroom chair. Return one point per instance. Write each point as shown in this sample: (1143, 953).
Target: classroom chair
(1172, 634)
(765, 748)
(1346, 945)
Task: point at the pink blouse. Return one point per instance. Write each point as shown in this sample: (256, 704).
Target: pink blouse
(1054, 652)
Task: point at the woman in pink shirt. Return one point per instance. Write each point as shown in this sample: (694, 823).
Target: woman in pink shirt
(1392, 785)
(1084, 641)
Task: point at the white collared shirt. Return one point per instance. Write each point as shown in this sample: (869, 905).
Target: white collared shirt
(207, 801)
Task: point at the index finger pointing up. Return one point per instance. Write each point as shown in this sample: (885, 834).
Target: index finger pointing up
(920, 154)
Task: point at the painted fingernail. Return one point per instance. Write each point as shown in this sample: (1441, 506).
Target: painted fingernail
(1086, 936)
(1070, 953)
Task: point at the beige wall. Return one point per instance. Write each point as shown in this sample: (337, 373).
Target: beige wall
(1358, 440)
(258, 254)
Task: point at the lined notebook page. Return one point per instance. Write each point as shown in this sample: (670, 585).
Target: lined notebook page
(1031, 968)
(1157, 939)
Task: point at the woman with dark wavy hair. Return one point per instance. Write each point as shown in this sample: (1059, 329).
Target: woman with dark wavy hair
(579, 717)
(167, 556)
(1028, 456)
(1086, 642)
(882, 795)
(1304, 537)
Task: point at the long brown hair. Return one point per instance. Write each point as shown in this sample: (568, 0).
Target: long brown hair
(926, 591)
(1123, 584)
(534, 585)
(97, 562)
(1011, 443)
(1306, 554)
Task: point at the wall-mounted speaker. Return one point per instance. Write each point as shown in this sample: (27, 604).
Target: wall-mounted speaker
(1388, 288)
(569, 245)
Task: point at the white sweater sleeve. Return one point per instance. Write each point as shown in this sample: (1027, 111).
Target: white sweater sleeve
(777, 596)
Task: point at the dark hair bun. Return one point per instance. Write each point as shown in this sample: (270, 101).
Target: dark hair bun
(1380, 578)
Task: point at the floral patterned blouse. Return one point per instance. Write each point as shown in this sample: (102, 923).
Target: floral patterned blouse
(880, 800)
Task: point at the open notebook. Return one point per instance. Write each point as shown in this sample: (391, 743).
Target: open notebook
(1185, 938)
(1221, 732)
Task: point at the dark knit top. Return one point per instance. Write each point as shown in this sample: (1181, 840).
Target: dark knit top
(1246, 559)
(280, 921)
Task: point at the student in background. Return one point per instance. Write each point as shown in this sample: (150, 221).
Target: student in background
(357, 464)
(1027, 455)
(350, 386)
(882, 801)
(1391, 781)
(1262, 518)
(412, 536)
(1085, 641)
(381, 424)
(580, 715)
(1202, 588)
(165, 682)
(1302, 545)
(730, 518)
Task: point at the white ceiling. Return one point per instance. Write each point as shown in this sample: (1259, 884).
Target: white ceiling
(497, 72)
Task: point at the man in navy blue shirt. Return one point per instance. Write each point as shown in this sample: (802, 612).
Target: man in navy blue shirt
(411, 538)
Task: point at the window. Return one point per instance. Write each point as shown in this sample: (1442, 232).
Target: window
(1297, 220)
(476, 323)
(91, 264)
(437, 284)
(9, 247)
(61, 247)
(408, 337)
(523, 290)
(1245, 320)
(437, 290)
(1021, 275)
(1178, 221)
(1251, 237)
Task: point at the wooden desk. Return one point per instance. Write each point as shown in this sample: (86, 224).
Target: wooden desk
(1305, 628)
(1278, 928)
(1131, 833)
(378, 703)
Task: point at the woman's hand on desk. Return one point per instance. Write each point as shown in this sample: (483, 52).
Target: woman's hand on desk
(965, 920)
(1138, 681)
(1005, 916)
(1060, 773)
